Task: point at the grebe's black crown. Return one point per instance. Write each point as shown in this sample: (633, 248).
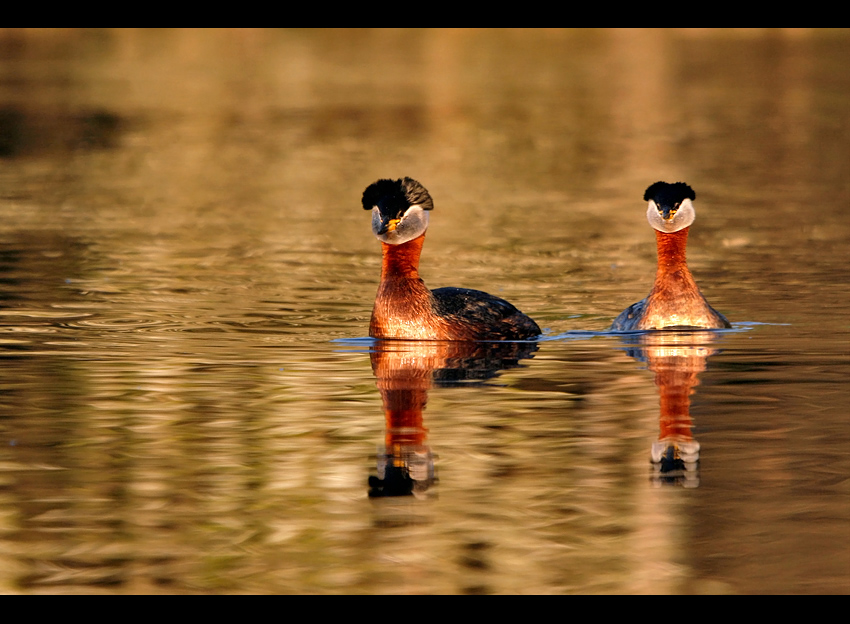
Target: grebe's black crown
(665, 194)
(393, 197)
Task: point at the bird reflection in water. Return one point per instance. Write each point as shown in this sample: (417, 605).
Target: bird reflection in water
(405, 372)
(677, 358)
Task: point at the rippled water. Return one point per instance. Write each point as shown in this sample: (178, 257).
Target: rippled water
(189, 400)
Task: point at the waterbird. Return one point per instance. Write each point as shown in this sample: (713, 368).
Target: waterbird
(675, 300)
(404, 307)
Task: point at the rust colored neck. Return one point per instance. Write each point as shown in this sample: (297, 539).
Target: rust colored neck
(404, 394)
(403, 379)
(675, 298)
(673, 272)
(671, 249)
(401, 261)
(403, 304)
(404, 426)
(675, 377)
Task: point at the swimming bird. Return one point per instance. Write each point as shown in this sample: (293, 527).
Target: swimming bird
(404, 307)
(675, 299)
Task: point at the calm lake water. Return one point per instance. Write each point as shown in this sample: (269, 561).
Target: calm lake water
(188, 399)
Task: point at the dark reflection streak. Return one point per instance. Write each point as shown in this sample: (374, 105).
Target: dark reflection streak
(28, 131)
(405, 372)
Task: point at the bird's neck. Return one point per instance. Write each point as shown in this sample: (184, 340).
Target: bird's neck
(403, 305)
(675, 298)
(401, 262)
(672, 265)
(671, 249)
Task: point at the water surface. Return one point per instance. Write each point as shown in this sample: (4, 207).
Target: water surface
(189, 400)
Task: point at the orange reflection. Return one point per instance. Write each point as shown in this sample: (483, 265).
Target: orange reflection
(405, 372)
(677, 358)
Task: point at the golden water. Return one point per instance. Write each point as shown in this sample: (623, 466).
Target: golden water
(188, 402)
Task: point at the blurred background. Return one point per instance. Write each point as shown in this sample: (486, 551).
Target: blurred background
(188, 399)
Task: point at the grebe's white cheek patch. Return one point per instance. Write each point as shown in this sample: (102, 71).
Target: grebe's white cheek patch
(684, 216)
(376, 220)
(653, 217)
(413, 224)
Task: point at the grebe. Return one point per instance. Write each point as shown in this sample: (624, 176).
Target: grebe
(675, 300)
(404, 307)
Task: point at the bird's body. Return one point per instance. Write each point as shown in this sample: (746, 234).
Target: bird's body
(404, 307)
(675, 299)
